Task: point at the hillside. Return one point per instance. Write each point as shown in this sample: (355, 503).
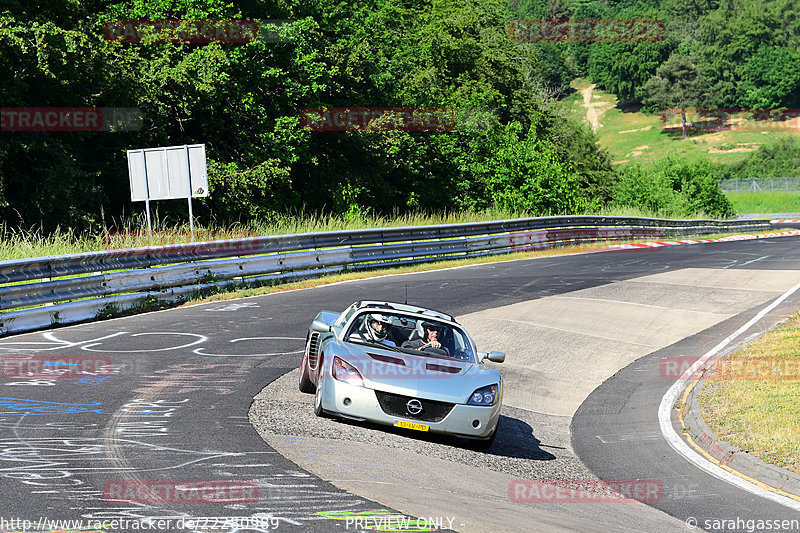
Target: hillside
(633, 136)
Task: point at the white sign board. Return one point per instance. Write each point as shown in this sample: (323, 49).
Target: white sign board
(166, 173)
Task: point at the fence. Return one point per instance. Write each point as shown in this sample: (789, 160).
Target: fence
(760, 184)
(45, 291)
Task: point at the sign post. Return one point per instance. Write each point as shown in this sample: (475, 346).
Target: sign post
(147, 195)
(189, 183)
(166, 173)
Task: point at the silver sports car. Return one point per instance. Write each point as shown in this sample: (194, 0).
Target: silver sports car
(403, 366)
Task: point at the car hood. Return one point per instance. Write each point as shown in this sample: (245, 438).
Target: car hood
(446, 380)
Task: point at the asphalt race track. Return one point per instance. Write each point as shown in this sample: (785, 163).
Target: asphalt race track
(176, 409)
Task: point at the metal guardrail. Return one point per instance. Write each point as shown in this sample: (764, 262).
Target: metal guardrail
(44, 291)
(760, 184)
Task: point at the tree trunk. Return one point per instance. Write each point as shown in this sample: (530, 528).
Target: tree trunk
(683, 122)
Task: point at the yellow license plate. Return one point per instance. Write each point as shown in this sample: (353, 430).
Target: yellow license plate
(411, 425)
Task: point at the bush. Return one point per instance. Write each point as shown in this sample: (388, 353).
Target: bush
(259, 192)
(780, 159)
(674, 187)
(522, 171)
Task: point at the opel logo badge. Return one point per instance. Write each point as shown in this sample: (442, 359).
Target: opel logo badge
(414, 406)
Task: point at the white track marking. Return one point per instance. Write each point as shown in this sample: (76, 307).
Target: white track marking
(677, 443)
(754, 260)
(201, 351)
(51, 339)
(200, 338)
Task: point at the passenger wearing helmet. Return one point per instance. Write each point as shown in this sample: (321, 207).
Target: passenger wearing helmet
(432, 336)
(376, 329)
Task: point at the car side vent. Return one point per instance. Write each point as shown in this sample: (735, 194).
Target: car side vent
(313, 350)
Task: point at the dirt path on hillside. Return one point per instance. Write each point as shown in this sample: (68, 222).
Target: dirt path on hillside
(591, 111)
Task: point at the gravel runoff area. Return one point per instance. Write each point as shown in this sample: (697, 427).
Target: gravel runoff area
(529, 445)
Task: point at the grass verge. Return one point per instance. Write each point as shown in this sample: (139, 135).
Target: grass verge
(753, 400)
(17, 244)
(765, 201)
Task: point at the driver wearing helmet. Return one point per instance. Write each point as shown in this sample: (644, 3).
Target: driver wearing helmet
(432, 337)
(377, 329)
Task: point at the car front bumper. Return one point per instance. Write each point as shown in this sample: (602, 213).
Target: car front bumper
(352, 401)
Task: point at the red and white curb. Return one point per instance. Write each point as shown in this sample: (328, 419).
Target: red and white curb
(747, 237)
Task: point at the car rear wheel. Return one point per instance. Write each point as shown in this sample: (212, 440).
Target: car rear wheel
(305, 384)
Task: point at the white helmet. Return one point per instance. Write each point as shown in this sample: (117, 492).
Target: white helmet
(375, 334)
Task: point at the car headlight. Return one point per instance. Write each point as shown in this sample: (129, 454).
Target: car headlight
(485, 396)
(344, 371)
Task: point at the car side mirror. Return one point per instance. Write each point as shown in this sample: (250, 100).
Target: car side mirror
(495, 357)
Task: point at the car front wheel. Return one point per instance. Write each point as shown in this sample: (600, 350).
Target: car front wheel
(318, 397)
(483, 444)
(318, 401)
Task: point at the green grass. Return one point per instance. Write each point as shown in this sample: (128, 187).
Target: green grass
(637, 137)
(15, 244)
(753, 402)
(765, 201)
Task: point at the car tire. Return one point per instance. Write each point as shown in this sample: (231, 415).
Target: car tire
(318, 402)
(484, 444)
(305, 384)
(318, 396)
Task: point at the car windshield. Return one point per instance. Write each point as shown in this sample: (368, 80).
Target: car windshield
(418, 336)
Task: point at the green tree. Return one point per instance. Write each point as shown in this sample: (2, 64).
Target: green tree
(736, 45)
(676, 85)
(244, 101)
(771, 78)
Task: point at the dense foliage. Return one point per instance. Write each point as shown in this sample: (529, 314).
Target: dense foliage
(244, 101)
(673, 186)
(746, 51)
(780, 159)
